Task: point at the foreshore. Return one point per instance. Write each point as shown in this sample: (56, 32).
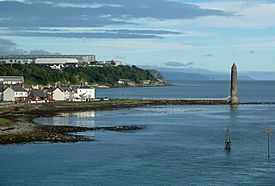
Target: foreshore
(23, 130)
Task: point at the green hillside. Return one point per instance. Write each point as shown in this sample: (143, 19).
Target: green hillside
(108, 75)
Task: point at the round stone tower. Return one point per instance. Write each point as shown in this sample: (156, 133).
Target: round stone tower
(234, 85)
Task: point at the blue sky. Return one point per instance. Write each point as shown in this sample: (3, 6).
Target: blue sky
(175, 33)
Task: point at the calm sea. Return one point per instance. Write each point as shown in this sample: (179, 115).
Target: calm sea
(248, 91)
(179, 145)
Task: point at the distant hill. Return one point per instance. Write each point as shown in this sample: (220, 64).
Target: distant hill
(261, 75)
(175, 74)
(157, 74)
(108, 75)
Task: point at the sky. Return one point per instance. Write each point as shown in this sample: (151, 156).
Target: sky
(208, 34)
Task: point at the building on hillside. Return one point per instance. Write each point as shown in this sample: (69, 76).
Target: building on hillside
(37, 95)
(87, 58)
(123, 81)
(11, 80)
(57, 63)
(84, 93)
(15, 93)
(126, 82)
(114, 63)
(62, 94)
(146, 82)
(47, 59)
(12, 60)
(101, 62)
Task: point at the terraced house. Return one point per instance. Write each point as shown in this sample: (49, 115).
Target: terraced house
(16, 94)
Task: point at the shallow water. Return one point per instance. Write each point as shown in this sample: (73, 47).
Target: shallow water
(178, 145)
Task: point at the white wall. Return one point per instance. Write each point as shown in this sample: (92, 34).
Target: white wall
(21, 94)
(8, 94)
(58, 95)
(86, 93)
(48, 61)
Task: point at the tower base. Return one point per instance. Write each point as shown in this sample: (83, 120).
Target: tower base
(234, 100)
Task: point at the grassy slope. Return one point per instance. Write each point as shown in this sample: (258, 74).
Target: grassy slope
(4, 121)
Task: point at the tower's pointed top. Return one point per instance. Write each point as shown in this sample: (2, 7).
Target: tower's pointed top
(234, 65)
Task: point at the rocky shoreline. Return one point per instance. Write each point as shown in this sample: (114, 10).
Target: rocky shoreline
(27, 132)
(23, 130)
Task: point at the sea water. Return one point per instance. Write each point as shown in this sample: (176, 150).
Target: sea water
(178, 145)
(247, 91)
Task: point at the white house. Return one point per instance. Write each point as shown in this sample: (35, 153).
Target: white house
(84, 93)
(62, 94)
(15, 93)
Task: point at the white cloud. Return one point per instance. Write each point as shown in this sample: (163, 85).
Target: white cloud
(248, 14)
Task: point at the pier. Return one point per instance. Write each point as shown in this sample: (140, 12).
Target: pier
(189, 101)
(202, 101)
(232, 99)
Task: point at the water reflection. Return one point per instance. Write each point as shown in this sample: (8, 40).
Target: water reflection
(233, 114)
(233, 119)
(234, 108)
(86, 119)
(79, 114)
(227, 154)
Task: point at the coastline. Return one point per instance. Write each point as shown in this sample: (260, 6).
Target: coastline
(24, 130)
(136, 85)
